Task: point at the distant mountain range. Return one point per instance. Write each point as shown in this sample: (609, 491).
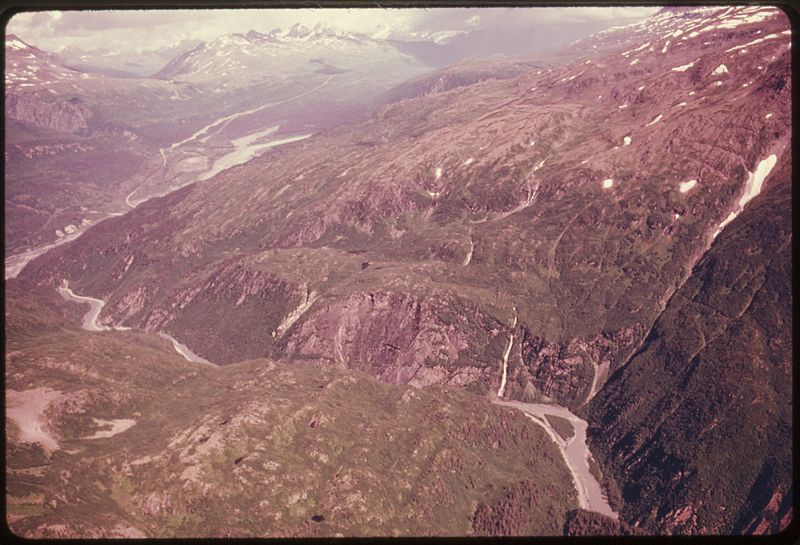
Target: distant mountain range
(435, 49)
(235, 60)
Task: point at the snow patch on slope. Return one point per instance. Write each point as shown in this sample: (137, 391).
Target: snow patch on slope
(719, 70)
(683, 67)
(16, 44)
(686, 186)
(752, 188)
(655, 120)
(117, 426)
(754, 42)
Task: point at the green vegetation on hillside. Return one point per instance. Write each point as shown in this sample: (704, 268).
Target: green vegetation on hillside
(696, 429)
(256, 448)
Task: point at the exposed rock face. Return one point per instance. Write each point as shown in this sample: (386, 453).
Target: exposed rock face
(566, 373)
(769, 514)
(574, 215)
(60, 115)
(400, 338)
(586, 268)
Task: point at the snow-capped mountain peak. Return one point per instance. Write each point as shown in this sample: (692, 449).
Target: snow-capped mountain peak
(243, 58)
(297, 30)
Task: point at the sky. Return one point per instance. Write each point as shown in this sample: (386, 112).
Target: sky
(141, 30)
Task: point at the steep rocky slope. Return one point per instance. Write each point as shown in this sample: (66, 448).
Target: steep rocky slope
(711, 388)
(112, 434)
(613, 231)
(575, 199)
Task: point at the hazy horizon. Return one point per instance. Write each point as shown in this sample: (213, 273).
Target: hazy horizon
(154, 29)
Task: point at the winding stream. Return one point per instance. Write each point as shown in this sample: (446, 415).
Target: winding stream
(96, 305)
(184, 350)
(574, 450)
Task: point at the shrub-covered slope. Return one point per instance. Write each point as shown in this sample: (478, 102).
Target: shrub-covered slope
(113, 434)
(697, 427)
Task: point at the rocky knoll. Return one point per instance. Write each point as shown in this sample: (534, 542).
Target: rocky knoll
(60, 115)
